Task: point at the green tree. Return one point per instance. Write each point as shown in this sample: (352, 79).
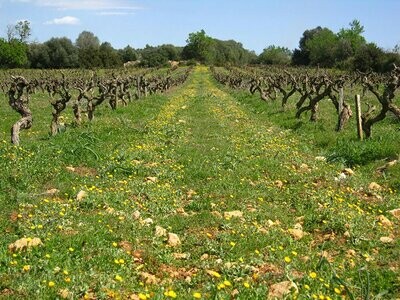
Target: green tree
(88, 50)
(322, 48)
(87, 40)
(369, 57)
(301, 56)
(13, 54)
(172, 52)
(153, 57)
(38, 55)
(198, 47)
(230, 52)
(274, 55)
(62, 53)
(353, 35)
(109, 56)
(23, 30)
(128, 54)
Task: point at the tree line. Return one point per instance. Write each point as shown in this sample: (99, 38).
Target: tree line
(318, 47)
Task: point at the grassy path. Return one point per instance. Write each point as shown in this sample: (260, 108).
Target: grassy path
(190, 195)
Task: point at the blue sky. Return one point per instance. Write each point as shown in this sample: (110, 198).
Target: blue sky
(255, 23)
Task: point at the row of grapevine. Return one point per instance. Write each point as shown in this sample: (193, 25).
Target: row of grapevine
(314, 86)
(82, 91)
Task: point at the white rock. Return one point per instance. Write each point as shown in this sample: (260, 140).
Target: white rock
(160, 231)
(82, 194)
(173, 240)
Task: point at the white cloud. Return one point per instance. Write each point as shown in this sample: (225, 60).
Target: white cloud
(114, 13)
(67, 20)
(86, 4)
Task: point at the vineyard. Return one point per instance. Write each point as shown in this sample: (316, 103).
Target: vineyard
(199, 183)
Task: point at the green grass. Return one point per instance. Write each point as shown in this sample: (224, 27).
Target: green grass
(182, 161)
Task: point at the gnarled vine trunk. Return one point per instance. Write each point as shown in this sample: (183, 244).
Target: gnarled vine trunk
(19, 101)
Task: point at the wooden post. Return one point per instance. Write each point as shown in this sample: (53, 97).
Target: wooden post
(358, 116)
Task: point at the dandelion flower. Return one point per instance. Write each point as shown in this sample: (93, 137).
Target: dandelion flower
(142, 296)
(51, 284)
(227, 283)
(214, 273)
(221, 286)
(196, 295)
(26, 268)
(170, 294)
(118, 278)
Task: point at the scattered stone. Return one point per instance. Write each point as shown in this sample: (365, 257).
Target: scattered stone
(24, 244)
(320, 158)
(386, 240)
(341, 177)
(298, 226)
(385, 221)
(297, 234)
(348, 172)
(305, 258)
(304, 168)
(64, 293)
(160, 231)
(278, 184)
(262, 230)
(173, 240)
(82, 194)
(325, 254)
(205, 256)
(395, 213)
(233, 214)
(386, 166)
(148, 221)
(70, 168)
(136, 215)
(250, 208)
(350, 253)
(149, 278)
(82, 170)
(127, 246)
(180, 255)
(181, 211)
(373, 186)
(51, 192)
(280, 290)
(234, 293)
(216, 214)
(150, 179)
(190, 194)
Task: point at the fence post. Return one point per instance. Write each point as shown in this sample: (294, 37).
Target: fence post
(358, 116)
